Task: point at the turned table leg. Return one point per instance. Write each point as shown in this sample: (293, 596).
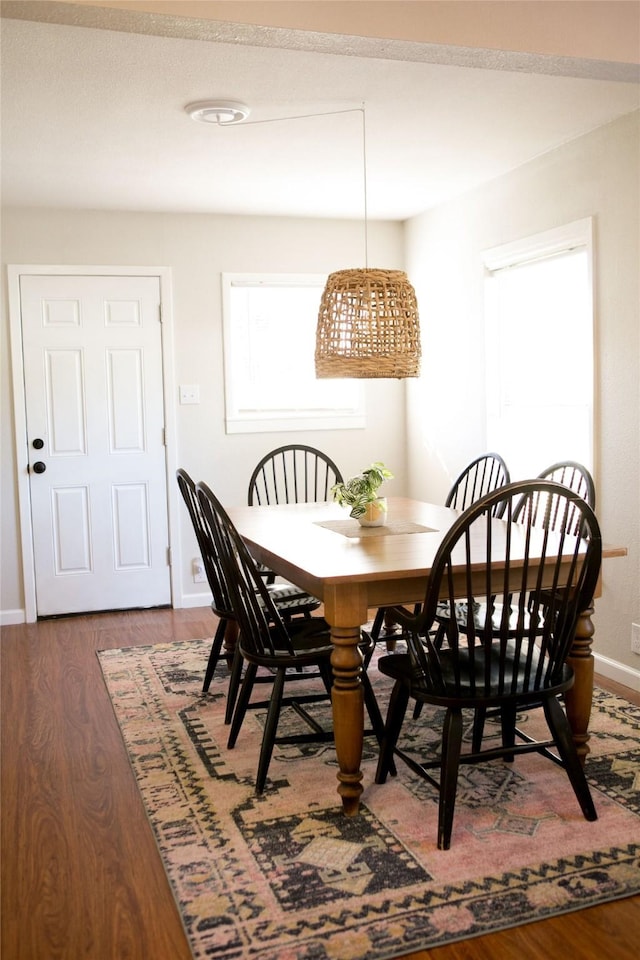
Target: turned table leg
(578, 699)
(348, 713)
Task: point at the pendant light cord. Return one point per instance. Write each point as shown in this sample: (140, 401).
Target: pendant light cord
(329, 113)
(364, 180)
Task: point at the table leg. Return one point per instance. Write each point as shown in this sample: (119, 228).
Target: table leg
(348, 713)
(578, 699)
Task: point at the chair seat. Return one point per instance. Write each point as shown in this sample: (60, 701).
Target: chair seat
(471, 686)
(310, 638)
(290, 599)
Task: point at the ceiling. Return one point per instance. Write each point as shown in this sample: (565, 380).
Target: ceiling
(94, 118)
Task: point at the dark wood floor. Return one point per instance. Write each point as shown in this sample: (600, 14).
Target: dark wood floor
(81, 876)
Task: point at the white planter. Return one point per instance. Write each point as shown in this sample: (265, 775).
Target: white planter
(375, 514)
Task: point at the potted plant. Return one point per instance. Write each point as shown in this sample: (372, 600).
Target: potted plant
(361, 494)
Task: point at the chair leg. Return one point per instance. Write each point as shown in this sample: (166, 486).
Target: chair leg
(508, 728)
(373, 709)
(234, 684)
(561, 731)
(377, 723)
(270, 728)
(377, 624)
(241, 705)
(478, 729)
(451, 747)
(326, 673)
(214, 655)
(398, 703)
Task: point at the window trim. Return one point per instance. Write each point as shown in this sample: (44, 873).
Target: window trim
(550, 243)
(307, 419)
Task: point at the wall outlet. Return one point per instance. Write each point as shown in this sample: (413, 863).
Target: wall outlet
(197, 569)
(635, 638)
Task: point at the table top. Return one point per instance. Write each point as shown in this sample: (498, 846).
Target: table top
(321, 540)
(317, 544)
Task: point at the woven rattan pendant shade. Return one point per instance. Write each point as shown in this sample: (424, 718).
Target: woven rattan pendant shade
(368, 326)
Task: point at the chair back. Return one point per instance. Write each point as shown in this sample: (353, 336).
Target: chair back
(262, 631)
(481, 476)
(539, 579)
(221, 604)
(575, 476)
(293, 474)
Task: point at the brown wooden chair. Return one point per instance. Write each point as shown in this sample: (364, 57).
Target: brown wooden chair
(510, 665)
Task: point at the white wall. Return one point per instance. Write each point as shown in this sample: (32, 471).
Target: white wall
(597, 175)
(197, 248)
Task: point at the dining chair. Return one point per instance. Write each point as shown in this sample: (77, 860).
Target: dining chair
(550, 514)
(295, 473)
(291, 652)
(289, 599)
(520, 660)
(482, 475)
(576, 477)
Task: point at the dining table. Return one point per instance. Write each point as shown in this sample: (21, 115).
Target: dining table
(354, 570)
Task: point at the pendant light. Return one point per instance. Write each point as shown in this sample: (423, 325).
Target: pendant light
(368, 325)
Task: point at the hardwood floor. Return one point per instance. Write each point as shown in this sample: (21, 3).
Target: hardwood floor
(81, 875)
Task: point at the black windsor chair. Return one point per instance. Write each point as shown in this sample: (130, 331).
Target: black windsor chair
(541, 580)
(290, 600)
(479, 477)
(550, 514)
(297, 650)
(295, 473)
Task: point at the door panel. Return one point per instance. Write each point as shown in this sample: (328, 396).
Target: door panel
(94, 396)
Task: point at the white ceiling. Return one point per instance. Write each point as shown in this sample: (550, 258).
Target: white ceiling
(94, 118)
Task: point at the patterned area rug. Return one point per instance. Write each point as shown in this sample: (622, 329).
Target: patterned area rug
(288, 877)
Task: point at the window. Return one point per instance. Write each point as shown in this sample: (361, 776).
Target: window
(539, 350)
(269, 344)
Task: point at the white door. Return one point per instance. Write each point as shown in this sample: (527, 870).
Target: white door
(95, 428)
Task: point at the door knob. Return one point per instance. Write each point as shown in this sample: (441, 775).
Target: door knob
(39, 467)
(38, 444)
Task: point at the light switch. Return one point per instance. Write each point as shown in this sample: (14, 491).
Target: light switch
(190, 393)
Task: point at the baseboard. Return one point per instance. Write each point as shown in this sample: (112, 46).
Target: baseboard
(9, 617)
(620, 672)
(195, 599)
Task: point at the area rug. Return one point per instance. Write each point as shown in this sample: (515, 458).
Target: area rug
(287, 876)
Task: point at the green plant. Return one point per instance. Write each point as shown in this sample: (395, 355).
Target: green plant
(362, 489)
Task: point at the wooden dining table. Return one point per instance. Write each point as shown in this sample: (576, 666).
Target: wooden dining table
(355, 570)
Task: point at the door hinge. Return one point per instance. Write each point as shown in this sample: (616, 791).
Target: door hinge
(164, 437)
(160, 312)
(168, 556)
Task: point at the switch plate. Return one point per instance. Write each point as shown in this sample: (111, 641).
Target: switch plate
(190, 393)
(635, 638)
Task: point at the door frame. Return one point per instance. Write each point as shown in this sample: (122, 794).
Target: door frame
(163, 274)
